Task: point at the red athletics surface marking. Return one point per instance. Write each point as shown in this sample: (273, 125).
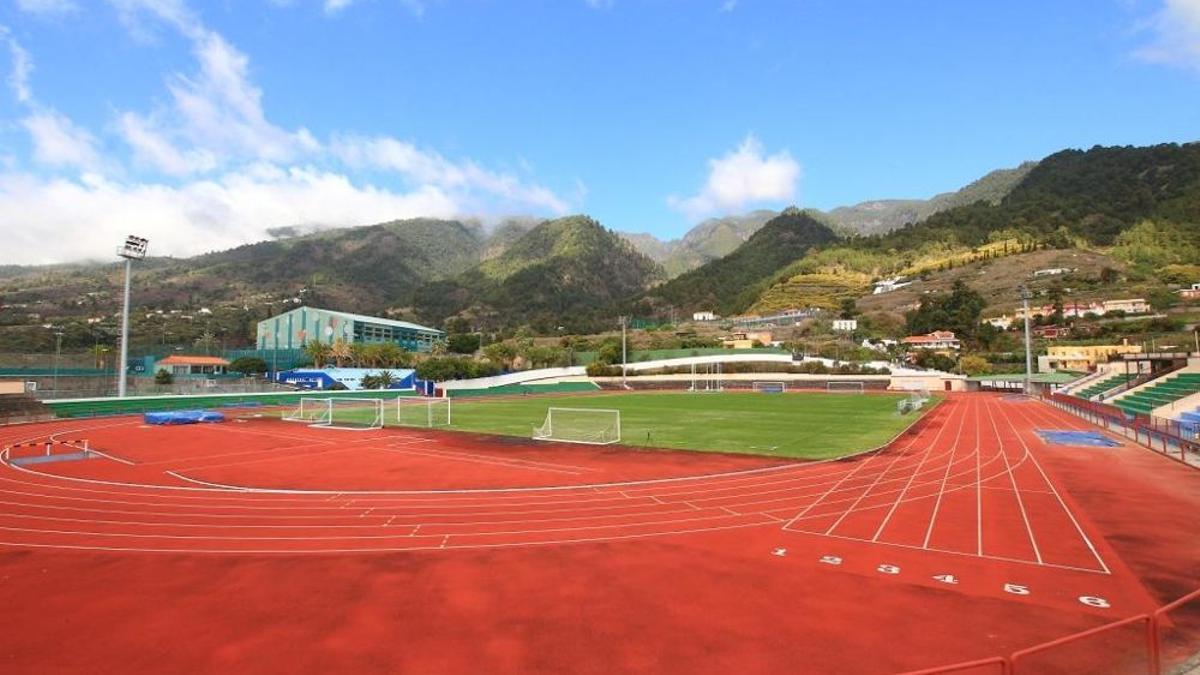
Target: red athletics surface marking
(441, 552)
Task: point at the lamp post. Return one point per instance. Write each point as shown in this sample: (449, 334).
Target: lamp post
(624, 320)
(1025, 296)
(58, 336)
(134, 249)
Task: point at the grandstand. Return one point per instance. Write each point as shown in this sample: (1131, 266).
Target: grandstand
(1167, 390)
(1104, 384)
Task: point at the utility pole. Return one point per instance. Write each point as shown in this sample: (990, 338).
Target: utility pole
(58, 336)
(1025, 295)
(134, 249)
(624, 320)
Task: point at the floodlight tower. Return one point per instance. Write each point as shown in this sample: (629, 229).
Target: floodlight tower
(134, 249)
(1025, 296)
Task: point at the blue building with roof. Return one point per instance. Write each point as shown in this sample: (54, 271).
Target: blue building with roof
(294, 328)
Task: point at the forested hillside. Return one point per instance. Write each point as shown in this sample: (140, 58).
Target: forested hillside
(566, 272)
(730, 284)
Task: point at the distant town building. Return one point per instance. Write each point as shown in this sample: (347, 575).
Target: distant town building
(1081, 358)
(938, 340)
(1053, 271)
(746, 339)
(704, 316)
(1051, 332)
(180, 365)
(294, 328)
(1081, 309)
(1192, 293)
(1003, 322)
(1131, 306)
(889, 285)
(847, 325)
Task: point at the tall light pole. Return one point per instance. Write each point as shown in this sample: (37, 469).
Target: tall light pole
(624, 320)
(134, 249)
(58, 336)
(1025, 295)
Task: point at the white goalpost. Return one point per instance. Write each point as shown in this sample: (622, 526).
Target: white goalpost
(422, 412)
(915, 401)
(845, 386)
(595, 426)
(707, 378)
(769, 387)
(353, 414)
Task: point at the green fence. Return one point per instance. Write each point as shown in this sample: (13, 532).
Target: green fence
(98, 407)
(514, 389)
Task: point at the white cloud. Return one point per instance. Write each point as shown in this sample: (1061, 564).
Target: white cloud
(740, 178)
(46, 6)
(199, 216)
(22, 67)
(151, 147)
(335, 6)
(421, 166)
(59, 142)
(235, 175)
(1176, 35)
(729, 5)
(600, 4)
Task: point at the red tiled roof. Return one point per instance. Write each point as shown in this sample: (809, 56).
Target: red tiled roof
(181, 360)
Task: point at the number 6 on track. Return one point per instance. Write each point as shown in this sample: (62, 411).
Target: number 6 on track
(1016, 589)
(945, 578)
(888, 569)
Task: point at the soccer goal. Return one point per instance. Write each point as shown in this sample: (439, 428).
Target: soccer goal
(769, 387)
(596, 426)
(845, 386)
(353, 414)
(422, 412)
(311, 411)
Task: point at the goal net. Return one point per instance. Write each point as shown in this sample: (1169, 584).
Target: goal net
(310, 410)
(915, 401)
(769, 387)
(422, 412)
(844, 386)
(339, 413)
(580, 425)
(707, 378)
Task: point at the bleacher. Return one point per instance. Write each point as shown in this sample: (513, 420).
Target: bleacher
(1103, 384)
(22, 408)
(1168, 390)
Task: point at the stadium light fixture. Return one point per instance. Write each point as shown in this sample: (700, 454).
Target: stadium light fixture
(134, 249)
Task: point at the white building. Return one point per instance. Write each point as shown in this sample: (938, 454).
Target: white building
(1052, 271)
(889, 285)
(848, 325)
(704, 316)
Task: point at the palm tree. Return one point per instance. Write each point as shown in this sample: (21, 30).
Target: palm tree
(318, 351)
(341, 352)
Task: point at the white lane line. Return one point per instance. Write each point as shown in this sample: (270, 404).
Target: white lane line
(900, 497)
(937, 505)
(1061, 502)
(1016, 490)
(867, 491)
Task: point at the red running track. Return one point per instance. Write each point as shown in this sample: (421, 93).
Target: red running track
(398, 550)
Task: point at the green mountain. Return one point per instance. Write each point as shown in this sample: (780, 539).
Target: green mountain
(707, 241)
(732, 283)
(1139, 205)
(564, 272)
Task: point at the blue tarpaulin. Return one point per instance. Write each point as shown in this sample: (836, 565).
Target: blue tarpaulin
(183, 417)
(1087, 438)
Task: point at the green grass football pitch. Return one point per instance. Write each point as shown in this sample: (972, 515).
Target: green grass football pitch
(803, 425)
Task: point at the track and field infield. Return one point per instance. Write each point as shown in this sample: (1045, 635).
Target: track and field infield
(250, 547)
(802, 425)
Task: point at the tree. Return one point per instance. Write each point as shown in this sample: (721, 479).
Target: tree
(248, 365)
(849, 308)
(501, 353)
(318, 351)
(974, 365)
(463, 343)
(959, 312)
(1109, 276)
(341, 352)
(1055, 294)
(163, 376)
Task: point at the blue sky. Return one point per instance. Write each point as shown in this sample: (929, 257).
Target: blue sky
(203, 125)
